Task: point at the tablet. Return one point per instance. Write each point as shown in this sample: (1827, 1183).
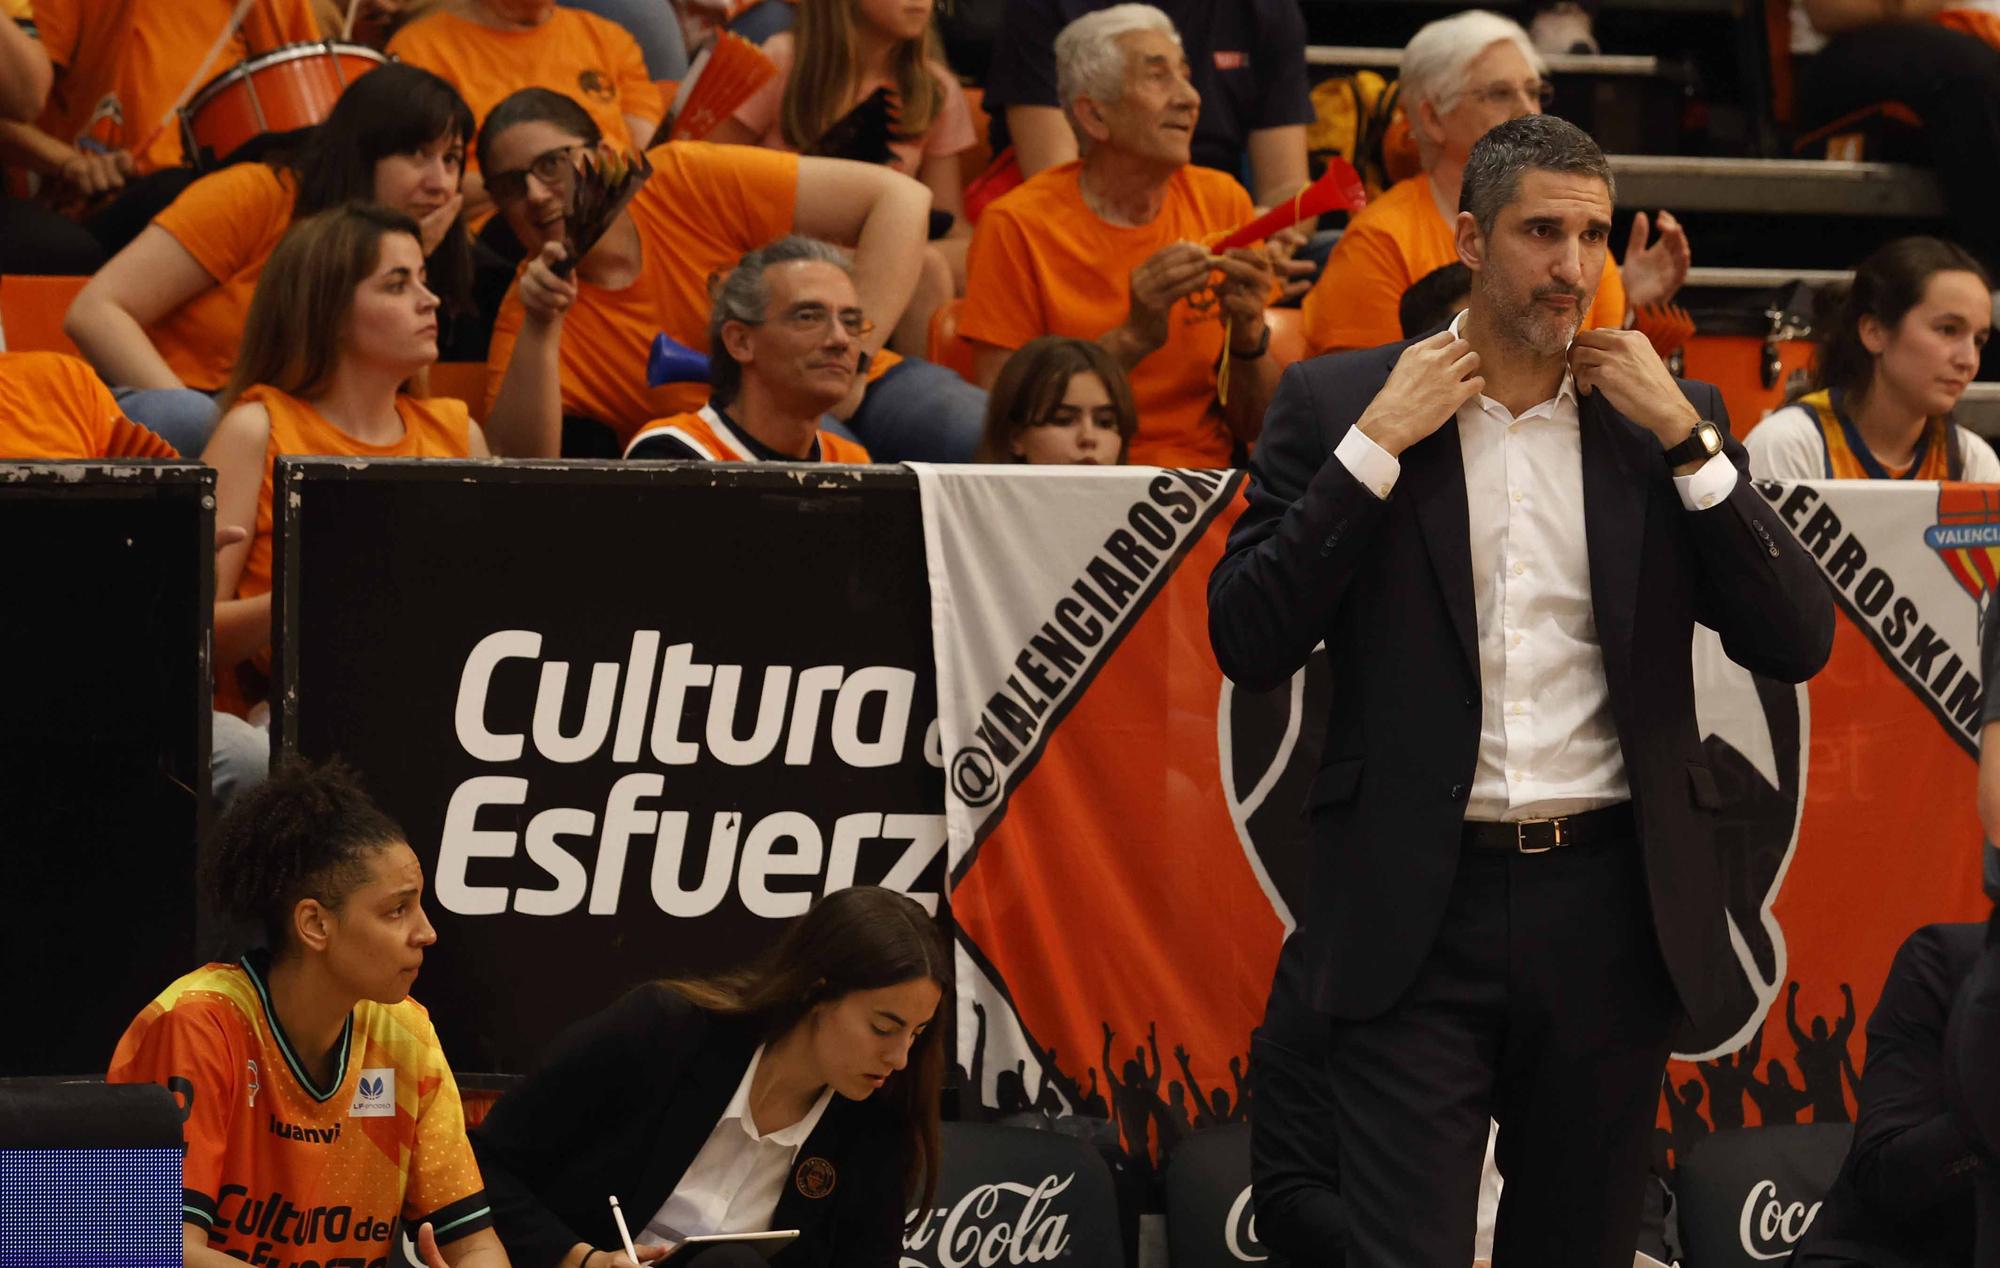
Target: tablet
(765, 1244)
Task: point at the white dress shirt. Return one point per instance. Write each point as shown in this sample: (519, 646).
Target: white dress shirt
(734, 1183)
(1547, 742)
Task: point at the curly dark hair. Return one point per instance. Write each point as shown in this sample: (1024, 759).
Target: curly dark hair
(307, 832)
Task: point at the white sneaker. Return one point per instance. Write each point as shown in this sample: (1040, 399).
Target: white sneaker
(1563, 28)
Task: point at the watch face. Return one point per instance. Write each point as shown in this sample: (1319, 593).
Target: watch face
(1711, 437)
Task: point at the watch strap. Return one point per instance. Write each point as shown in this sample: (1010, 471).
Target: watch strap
(1693, 447)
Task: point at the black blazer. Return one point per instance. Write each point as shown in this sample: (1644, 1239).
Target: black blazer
(1904, 1198)
(624, 1102)
(1388, 585)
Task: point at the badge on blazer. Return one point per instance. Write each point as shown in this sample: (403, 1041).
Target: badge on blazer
(814, 1178)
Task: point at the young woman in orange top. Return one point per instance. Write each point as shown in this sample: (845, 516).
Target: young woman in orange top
(842, 53)
(341, 319)
(166, 314)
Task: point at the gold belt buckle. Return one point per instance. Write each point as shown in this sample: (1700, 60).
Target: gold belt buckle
(1521, 839)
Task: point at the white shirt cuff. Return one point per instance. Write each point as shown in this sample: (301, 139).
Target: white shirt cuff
(1368, 462)
(1709, 485)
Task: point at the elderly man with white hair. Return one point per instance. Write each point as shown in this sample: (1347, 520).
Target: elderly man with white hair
(1461, 75)
(1110, 247)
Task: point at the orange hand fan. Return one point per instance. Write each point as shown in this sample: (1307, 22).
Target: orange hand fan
(732, 69)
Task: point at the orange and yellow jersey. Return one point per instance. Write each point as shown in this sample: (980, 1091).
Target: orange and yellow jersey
(707, 435)
(1848, 456)
(283, 1171)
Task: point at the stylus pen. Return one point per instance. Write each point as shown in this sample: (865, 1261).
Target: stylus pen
(624, 1234)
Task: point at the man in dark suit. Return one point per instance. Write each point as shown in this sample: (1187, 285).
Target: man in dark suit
(1504, 533)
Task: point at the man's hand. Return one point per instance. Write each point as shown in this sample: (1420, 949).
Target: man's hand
(95, 173)
(433, 226)
(1622, 365)
(1653, 273)
(1171, 274)
(1431, 380)
(1246, 286)
(545, 296)
(1283, 247)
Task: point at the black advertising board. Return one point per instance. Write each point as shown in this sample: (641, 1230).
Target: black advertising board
(103, 746)
(631, 718)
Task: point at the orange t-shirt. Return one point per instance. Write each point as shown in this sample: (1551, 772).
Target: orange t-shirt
(950, 130)
(703, 209)
(1394, 242)
(1043, 263)
(713, 438)
(592, 61)
(433, 427)
(281, 1170)
(123, 64)
(55, 406)
(230, 222)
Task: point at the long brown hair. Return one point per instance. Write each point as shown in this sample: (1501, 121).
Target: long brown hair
(291, 338)
(1033, 382)
(826, 71)
(1886, 286)
(861, 938)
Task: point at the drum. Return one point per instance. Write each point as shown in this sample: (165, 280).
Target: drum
(1756, 346)
(280, 91)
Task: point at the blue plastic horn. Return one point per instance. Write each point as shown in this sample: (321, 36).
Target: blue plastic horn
(674, 362)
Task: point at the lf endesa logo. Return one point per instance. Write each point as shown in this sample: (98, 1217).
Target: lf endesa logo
(1008, 1222)
(665, 707)
(1771, 1226)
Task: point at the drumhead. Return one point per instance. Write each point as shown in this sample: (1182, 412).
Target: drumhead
(288, 53)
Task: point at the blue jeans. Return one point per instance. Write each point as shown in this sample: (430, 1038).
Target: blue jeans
(653, 24)
(180, 416)
(239, 758)
(762, 21)
(920, 412)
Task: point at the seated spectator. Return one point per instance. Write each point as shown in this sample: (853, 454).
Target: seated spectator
(52, 406)
(694, 1101)
(855, 50)
(1434, 299)
(341, 319)
(1246, 60)
(702, 210)
(1902, 344)
(107, 139)
(1106, 248)
(489, 48)
(784, 340)
(1903, 51)
(32, 237)
(287, 1035)
(163, 320)
(1059, 401)
(1460, 76)
(1904, 1197)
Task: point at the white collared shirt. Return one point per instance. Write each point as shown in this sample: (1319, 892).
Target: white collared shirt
(1547, 741)
(734, 1183)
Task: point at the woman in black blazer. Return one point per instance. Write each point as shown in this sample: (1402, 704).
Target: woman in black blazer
(829, 1040)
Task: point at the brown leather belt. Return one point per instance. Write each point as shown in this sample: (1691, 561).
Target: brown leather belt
(1538, 836)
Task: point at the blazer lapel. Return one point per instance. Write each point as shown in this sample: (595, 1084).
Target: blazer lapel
(807, 1196)
(1615, 493)
(710, 1080)
(1434, 476)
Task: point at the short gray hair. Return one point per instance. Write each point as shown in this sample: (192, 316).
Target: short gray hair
(1437, 56)
(744, 297)
(1089, 62)
(1531, 143)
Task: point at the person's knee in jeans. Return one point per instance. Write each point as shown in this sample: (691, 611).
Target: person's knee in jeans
(762, 21)
(920, 412)
(239, 758)
(180, 416)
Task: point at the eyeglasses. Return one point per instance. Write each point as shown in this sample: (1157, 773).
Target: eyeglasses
(817, 321)
(554, 169)
(1533, 92)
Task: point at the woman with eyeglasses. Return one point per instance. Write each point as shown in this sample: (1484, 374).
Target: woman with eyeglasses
(702, 209)
(163, 320)
(1460, 76)
(784, 343)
